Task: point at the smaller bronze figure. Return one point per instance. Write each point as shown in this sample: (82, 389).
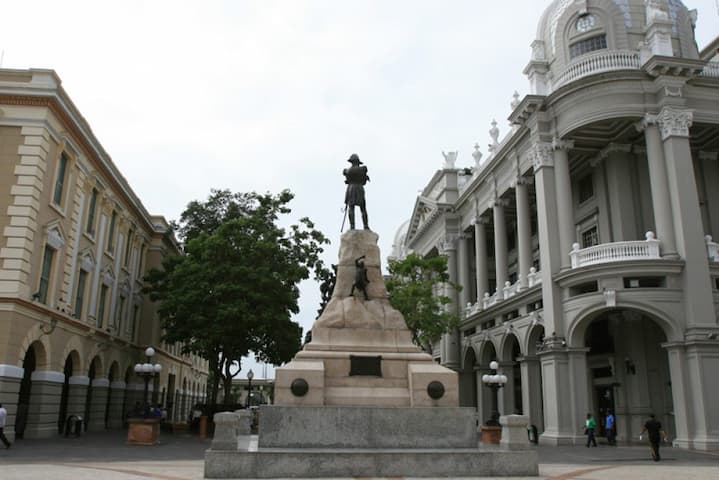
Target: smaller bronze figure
(356, 178)
(361, 280)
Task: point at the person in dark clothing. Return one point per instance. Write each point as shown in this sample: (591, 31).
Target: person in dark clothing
(356, 178)
(655, 434)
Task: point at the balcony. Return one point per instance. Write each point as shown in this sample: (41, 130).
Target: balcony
(711, 70)
(509, 290)
(712, 249)
(616, 252)
(598, 63)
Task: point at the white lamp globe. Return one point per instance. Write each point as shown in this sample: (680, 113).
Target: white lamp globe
(493, 365)
(485, 378)
(503, 378)
(138, 368)
(149, 351)
(157, 367)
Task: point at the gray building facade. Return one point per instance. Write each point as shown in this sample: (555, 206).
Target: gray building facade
(583, 241)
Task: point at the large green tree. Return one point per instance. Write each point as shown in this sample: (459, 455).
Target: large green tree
(235, 288)
(413, 290)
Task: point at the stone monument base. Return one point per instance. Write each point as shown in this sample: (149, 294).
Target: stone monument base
(339, 441)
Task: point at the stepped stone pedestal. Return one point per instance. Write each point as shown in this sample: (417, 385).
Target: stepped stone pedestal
(361, 400)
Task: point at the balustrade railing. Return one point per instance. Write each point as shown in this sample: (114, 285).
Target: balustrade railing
(711, 69)
(508, 291)
(712, 249)
(616, 252)
(597, 63)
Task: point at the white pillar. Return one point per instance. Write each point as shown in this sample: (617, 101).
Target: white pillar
(448, 247)
(480, 241)
(524, 231)
(500, 246)
(565, 206)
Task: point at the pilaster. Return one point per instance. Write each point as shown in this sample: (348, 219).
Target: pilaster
(480, 239)
(532, 391)
(98, 404)
(524, 230)
(565, 205)
(448, 247)
(23, 212)
(44, 407)
(674, 126)
(500, 246)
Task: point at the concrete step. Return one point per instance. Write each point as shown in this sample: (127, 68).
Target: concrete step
(371, 382)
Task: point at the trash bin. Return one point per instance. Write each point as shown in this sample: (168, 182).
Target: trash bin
(73, 422)
(533, 434)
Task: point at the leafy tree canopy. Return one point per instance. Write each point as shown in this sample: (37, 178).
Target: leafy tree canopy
(236, 286)
(413, 290)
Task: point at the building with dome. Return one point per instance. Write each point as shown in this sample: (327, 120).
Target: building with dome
(583, 243)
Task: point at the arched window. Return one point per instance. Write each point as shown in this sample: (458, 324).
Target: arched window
(590, 44)
(588, 36)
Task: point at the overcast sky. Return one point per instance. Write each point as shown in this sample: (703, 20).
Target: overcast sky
(266, 95)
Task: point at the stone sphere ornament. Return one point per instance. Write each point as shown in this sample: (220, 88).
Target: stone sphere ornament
(435, 390)
(299, 387)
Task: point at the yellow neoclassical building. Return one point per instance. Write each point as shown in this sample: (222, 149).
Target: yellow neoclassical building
(75, 244)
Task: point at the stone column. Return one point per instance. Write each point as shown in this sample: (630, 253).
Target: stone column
(500, 246)
(565, 205)
(542, 155)
(480, 239)
(532, 391)
(661, 201)
(44, 407)
(448, 247)
(710, 166)
(10, 378)
(674, 125)
(463, 272)
(98, 404)
(507, 393)
(621, 191)
(77, 395)
(524, 231)
(115, 414)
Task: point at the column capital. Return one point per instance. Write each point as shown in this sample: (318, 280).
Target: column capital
(521, 180)
(480, 220)
(561, 144)
(650, 119)
(447, 244)
(541, 155)
(497, 202)
(674, 122)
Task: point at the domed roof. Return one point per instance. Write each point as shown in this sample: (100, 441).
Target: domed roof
(569, 29)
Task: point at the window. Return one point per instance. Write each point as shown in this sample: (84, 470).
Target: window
(135, 319)
(590, 237)
(80, 294)
(141, 259)
(101, 308)
(591, 44)
(118, 312)
(128, 244)
(111, 233)
(60, 180)
(586, 188)
(90, 227)
(45, 274)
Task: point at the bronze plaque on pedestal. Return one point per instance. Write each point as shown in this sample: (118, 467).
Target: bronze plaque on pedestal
(362, 365)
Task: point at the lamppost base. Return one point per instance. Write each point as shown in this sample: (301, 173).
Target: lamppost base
(491, 434)
(143, 431)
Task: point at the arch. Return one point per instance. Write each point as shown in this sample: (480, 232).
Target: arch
(36, 339)
(578, 327)
(74, 347)
(488, 352)
(534, 336)
(509, 347)
(466, 350)
(468, 379)
(113, 373)
(95, 369)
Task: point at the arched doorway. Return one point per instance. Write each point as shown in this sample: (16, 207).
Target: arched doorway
(627, 370)
(487, 354)
(29, 364)
(468, 380)
(70, 365)
(510, 366)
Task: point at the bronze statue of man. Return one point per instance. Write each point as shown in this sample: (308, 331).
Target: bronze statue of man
(356, 177)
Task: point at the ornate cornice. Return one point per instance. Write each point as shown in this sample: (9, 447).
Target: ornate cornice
(447, 244)
(674, 122)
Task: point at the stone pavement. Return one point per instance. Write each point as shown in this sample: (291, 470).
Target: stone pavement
(100, 456)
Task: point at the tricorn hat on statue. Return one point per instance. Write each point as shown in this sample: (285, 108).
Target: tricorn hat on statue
(354, 159)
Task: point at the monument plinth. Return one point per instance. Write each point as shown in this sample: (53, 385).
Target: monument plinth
(361, 400)
(361, 353)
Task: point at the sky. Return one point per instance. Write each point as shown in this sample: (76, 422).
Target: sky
(265, 95)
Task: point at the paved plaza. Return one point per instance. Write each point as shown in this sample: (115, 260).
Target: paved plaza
(105, 455)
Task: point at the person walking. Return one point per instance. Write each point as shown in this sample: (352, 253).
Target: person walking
(610, 428)
(655, 433)
(589, 426)
(3, 419)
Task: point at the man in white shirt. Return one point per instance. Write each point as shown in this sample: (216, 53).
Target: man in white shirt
(3, 419)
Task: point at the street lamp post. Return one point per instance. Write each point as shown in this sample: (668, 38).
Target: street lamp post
(494, 382)
(148, 370)
(250, 376)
